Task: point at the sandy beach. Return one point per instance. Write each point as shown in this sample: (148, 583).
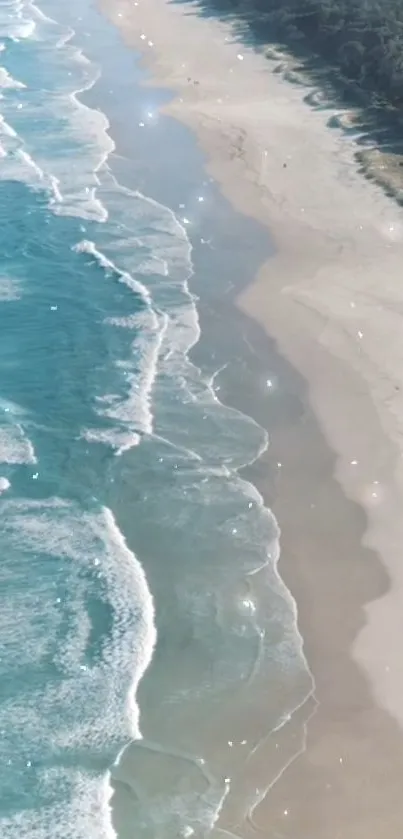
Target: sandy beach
(331, 297)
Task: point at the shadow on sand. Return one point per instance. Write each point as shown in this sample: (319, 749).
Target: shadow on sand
(375, 125)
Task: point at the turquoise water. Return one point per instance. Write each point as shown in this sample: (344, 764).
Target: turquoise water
(127, 535)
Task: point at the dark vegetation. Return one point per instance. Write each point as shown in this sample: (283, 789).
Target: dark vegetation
(351, 51)
(361, 39)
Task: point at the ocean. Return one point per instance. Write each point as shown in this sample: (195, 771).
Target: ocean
(148, 646)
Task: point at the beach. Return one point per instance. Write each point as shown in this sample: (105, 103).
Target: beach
(330, 299)
(200, 437)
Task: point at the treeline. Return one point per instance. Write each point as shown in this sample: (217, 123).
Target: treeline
(363, 39)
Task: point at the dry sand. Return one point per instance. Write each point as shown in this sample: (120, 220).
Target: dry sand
(332, 297)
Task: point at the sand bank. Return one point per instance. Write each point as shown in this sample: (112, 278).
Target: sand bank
(332, 298)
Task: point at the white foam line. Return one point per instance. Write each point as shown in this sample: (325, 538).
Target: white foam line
(41, 15)
(180, 229)
(182, 449)
(145, 630)
(78, 55)
(4, 485)
(55, 186)
(263, 793)
(135, 410)
(221, 787)
(89, 247)
(15, 447)
(26, 29)
(129, 408)
(7, 81)
(5, 128)
(128, 439)
(101, 214)
(31, 162)
(209, 383)
(109, 143)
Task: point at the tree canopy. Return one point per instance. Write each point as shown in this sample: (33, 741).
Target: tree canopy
(363, 39)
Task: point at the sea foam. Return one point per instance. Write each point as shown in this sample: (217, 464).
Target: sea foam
(15, 447)
(85, 701)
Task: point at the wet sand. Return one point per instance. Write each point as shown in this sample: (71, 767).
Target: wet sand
(331, 298)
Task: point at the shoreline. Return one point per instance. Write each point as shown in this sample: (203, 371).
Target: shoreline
(336, 250)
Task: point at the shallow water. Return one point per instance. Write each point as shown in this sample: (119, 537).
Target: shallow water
(129, 540)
